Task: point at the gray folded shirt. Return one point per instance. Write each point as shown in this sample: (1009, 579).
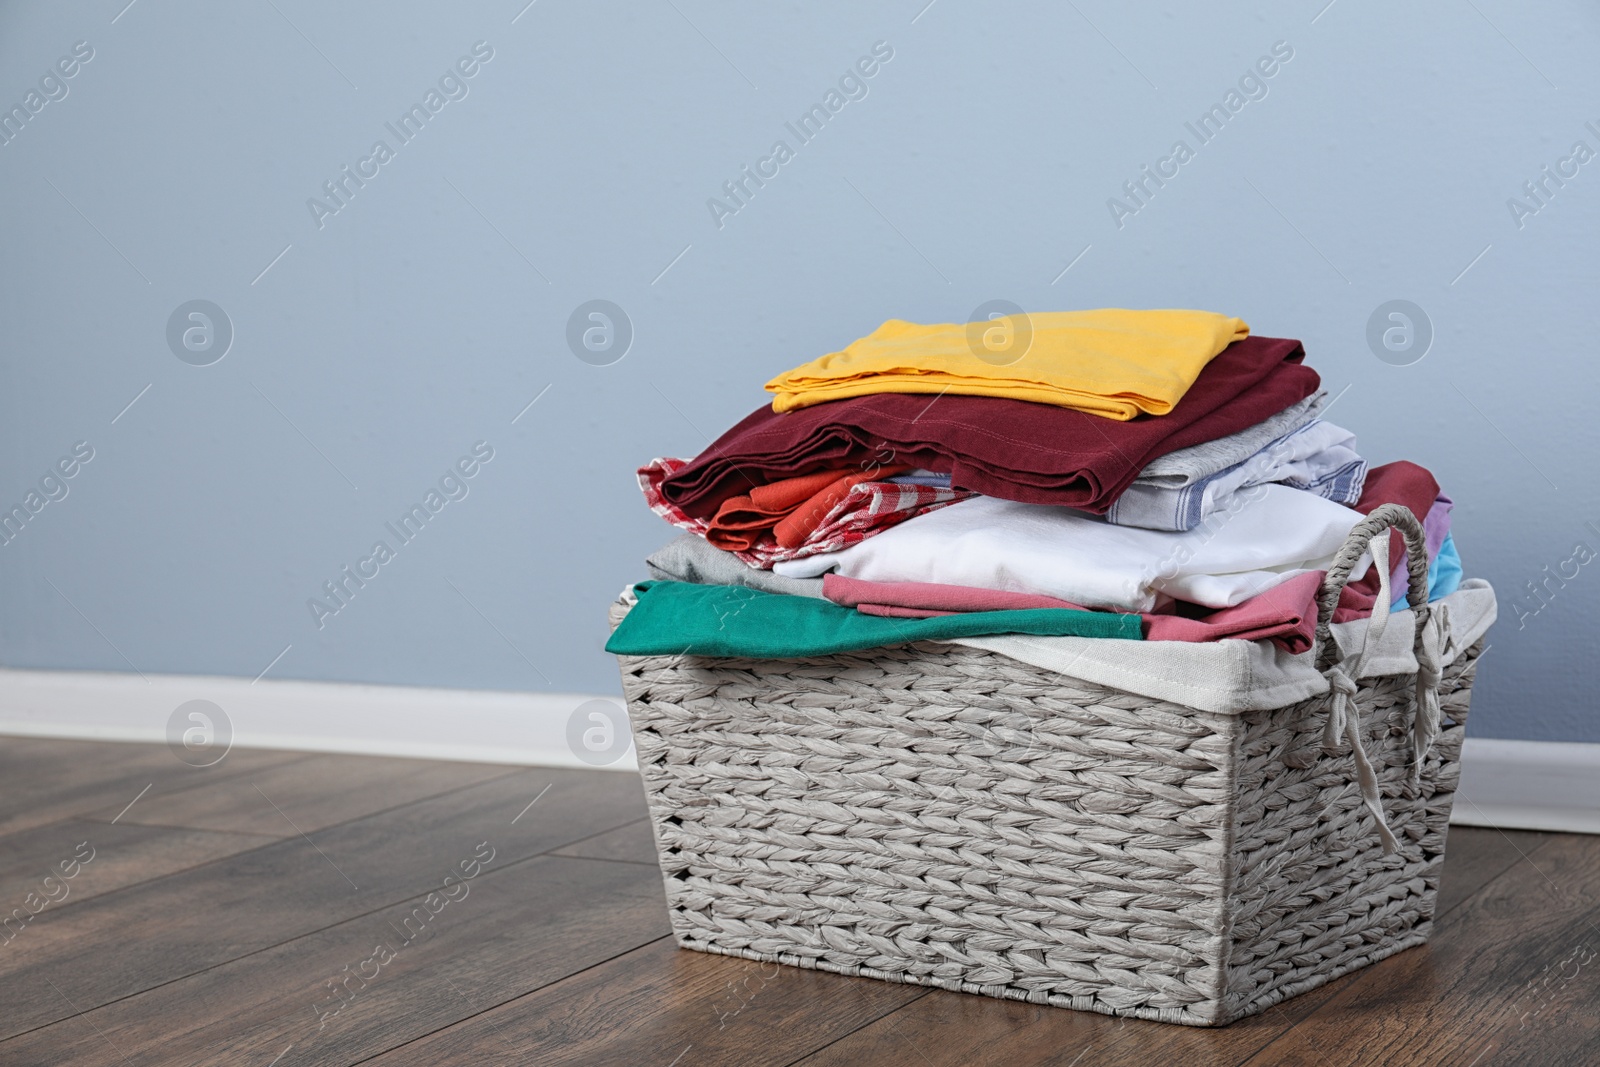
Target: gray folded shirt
(1189, 465)
(690, 558)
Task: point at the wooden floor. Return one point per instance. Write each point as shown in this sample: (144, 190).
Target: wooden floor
(282, 909)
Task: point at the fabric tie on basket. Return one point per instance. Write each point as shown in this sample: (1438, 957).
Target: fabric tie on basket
(1432, 624)
(1344, 712)
(1014, 449)
(1110, 362)
(676, 618)
(841, 512)
(1411, 485)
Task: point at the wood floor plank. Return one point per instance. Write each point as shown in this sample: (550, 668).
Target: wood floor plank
(212, 945)
(27, 763)
(947, 1029)
(118, 855)
(307, 795)
(515, 929)
(1509, 977)
(136, 938)
(1474, 856)
(633, 843)
(661, 1002)
(47, 781)
(30, 761)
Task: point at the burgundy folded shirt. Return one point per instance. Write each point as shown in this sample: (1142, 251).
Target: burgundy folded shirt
(1013, 449)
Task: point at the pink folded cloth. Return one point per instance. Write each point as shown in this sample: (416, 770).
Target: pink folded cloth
(1286, 614)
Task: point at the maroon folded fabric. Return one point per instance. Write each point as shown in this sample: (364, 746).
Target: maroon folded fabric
(1013, 449)
(1393, 483)
(1286, 614)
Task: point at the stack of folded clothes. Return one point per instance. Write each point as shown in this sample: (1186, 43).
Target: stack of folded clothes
(1146, 475)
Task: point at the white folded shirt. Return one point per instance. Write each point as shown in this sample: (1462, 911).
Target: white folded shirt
(1268, 534)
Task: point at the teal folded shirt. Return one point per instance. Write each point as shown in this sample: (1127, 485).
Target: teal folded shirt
(680, 618)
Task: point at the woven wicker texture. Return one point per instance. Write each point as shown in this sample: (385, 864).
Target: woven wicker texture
(947, 816)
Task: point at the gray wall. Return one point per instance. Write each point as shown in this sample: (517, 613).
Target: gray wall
(429, 310)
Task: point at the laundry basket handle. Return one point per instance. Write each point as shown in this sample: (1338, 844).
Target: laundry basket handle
(1343, 674)
(1382, 518)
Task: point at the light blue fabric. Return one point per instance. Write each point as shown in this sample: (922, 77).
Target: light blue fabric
(1444, 577)
(1444, 574)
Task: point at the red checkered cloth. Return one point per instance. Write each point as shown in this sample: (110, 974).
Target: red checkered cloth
(866, 509)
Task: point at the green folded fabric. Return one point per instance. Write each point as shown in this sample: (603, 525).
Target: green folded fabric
(680, 618)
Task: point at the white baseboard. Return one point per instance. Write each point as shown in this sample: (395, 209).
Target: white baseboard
(1527, 785)
(483, 726)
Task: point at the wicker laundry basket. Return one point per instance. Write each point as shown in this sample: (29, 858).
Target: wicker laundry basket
(945, 816)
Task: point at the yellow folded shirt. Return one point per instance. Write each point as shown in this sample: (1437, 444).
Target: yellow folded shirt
(1110, 362)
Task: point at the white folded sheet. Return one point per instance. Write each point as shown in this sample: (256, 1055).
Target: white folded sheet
(1269, 534)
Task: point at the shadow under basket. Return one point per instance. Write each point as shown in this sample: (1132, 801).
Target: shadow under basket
(946, 816)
